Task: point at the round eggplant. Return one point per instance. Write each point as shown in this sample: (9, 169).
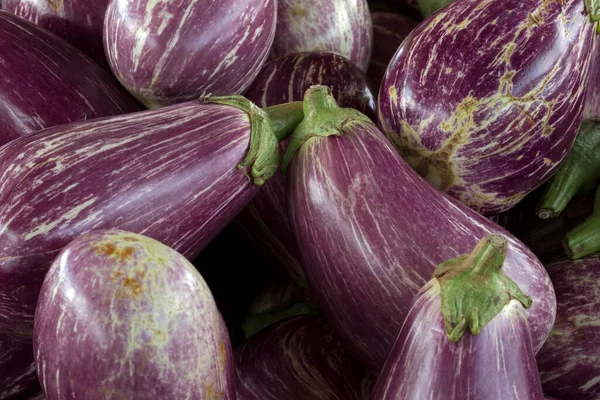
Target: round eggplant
(121, 315)
(18, 376)
(167, 52)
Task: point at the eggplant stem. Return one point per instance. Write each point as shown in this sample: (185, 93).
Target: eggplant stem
(584, 239)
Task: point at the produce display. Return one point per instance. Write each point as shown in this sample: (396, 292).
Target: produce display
(300, 200)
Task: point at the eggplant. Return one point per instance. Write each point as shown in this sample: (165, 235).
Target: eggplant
(298, 359)
(178, 174)
(18, 376)
(568, 361)
(47, 82)
(431, 359)
(484, 99)
(389, 30)
(339, 26)
(371, 231)
(122, 315)
(79, 22)
(173, 51)
(265, 221)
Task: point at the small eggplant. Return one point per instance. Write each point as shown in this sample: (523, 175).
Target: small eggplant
(178, 174)
(167, 52)
(121, 315)
(371, 231)
(298, 359)
(568, 361)
(339, 26)
(18, 377)
(485, 97)
(432, 360)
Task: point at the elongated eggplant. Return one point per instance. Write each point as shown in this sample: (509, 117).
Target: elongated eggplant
(298, 359)
(121, 315)
(389, 30)
(168, 52)
(568, 362)
(431, 359)
(178, 174)
(340, 26)
(47, 82)
(371, 231)
(79, 22)
(18, 376)
(265, 221)
(484, 98)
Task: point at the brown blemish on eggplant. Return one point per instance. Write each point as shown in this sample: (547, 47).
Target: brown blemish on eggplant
(110, 250)
(298, 12)
(134, 285)
(56, 5)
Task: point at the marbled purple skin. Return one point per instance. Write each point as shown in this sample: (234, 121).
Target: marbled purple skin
(339, 26)
(497, 364)
(48, 82)
(123, 316)
(569, 362)
(170, 51)
(371, 232)
(171, 174)
(79, 22)
(18, 376)
(592, 102)
(265, 221)
(485, 97)
(389, 30)
(298, 359)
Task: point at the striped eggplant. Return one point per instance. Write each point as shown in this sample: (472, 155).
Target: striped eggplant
(298, 359)
(568, 362)
(121, 315)
(389, 30)
(178, 174)
(371, 231)
(485, 97)
(339, 26)
(167, 52)
(265, 221)
(79, 22)
(431, 359)
(18, 376)
(48, 82)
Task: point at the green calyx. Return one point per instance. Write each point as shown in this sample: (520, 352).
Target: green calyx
(474, 288)
(268, 126)
(584, 239)
(579, 171)
(428, 7)
(254, 323)
(322, 118)
(592, 7)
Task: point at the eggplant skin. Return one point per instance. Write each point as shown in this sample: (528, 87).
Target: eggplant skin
(171, 174)
(18, 376)
(497, 364)
(79, 22)
(371, 232)
(121, 315)
(297, 359)
(485, 98)
(48, 82)
(339, 26)
(568, 362)
(167, 52)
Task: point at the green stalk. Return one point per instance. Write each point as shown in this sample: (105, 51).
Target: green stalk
(585, 238)
(428, 7)
(580, 169)
(474, 288)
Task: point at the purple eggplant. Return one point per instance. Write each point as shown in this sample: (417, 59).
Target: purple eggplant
(370, 231)
(484, 99)
(172, 51)
(568, 362)
(79, 22)
(121, 315)
(178, 174)
(339, 26)
(18, 376)
(431, 359)
(298, 359)
(265, 221)
(48, 82)
(389, 30)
